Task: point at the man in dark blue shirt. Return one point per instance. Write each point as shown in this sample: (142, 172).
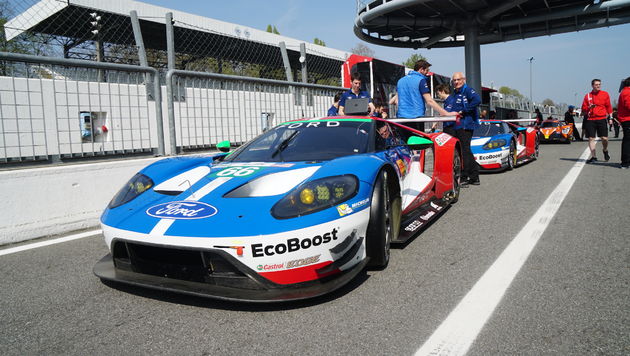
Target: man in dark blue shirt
(334, 109)
(464, 101)
(355, 92)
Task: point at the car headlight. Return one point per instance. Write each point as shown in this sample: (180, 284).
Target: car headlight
(494, 144)
(137, 185)
(316, 195)
(565, 130)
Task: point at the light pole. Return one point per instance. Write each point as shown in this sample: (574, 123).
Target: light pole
(531, 96)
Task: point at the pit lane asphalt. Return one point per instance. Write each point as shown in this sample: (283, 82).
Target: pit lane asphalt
(570, 297)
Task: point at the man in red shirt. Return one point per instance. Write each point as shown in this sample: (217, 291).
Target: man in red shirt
(623, 114)
(596, 109)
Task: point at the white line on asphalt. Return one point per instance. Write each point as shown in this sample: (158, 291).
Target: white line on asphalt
(458, 331)
(49, 242)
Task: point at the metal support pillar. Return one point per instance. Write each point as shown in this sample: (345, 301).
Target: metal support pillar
(170, 40)
(472, 53)
(285, 60)
(142, 54)
(303, 62)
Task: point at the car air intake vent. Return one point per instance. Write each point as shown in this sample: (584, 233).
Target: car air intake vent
(181, 264)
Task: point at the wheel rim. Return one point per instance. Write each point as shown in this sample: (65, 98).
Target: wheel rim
(457, 173)
(536, 151)
(512, 157)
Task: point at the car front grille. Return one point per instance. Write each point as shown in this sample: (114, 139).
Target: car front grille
(181, 264)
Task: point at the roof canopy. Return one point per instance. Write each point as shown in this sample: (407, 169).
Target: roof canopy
(442, 23)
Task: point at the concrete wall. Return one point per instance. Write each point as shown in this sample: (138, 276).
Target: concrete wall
(48, 201)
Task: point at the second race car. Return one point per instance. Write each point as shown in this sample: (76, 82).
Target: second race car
(556, 131)
(500, 145)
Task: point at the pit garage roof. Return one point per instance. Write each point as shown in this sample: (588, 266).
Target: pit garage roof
(443, 23)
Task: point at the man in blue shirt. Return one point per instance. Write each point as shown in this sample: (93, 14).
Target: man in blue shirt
(414, 94)
(464, 101)
(355, 92)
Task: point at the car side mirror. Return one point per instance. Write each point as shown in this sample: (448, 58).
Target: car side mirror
(419, 143)
(224, 146)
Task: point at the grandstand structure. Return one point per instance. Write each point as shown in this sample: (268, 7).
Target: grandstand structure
(104, 31)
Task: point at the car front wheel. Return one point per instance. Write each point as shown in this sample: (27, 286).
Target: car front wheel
(380, 228)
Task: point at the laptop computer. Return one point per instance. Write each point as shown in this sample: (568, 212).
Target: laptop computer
(356, 106)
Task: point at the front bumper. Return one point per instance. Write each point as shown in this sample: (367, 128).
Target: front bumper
(226, 279)
(493, 160)
(554, 137)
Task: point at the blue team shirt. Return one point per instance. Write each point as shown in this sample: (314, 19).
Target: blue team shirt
(333, 111)
(465, 100)
(410, 90)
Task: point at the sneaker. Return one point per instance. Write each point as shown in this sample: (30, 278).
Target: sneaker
(591, 160)
(606, 156)
(624, 167)
(463, 182)
(474, 181)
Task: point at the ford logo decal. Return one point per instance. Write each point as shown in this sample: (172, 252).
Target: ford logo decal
(182, 210)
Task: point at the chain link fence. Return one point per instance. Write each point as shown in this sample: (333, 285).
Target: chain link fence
(78, 32)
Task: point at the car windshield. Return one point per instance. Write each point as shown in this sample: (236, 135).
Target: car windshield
(550, 124)
(308, 140)
(489, 129)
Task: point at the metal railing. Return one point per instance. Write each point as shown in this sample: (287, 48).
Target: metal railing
(206, 108)
(54, 108)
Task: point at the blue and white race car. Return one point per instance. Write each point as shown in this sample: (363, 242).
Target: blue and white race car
(499, 145)
(295, 213)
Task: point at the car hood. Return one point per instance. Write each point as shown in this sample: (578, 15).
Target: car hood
(188, 196)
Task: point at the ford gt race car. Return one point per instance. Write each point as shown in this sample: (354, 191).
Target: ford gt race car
(294, 213)
(555, 131)
(499, 145)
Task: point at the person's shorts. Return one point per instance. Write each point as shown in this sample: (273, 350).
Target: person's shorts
(593, 127)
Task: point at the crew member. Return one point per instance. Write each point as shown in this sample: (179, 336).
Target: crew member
(623, 115)
(355, 92)
(414, 94)
(569, 118)
(464, 102)
(595, 108)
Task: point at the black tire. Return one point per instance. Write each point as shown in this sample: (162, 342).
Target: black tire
(380, 230)
(536, 148)
(512, 157)
(457, 174)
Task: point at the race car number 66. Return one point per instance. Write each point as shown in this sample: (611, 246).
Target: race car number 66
(237, 171)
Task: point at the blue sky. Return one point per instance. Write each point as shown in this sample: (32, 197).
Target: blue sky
(562, 69)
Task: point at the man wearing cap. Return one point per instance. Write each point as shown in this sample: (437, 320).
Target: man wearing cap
(414, 94)
(569, 118)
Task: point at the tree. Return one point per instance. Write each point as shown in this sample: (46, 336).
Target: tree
(317, 41)
(510, 91)
(548, 102)
(362, 50)
(272, 29)
(411, 61)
